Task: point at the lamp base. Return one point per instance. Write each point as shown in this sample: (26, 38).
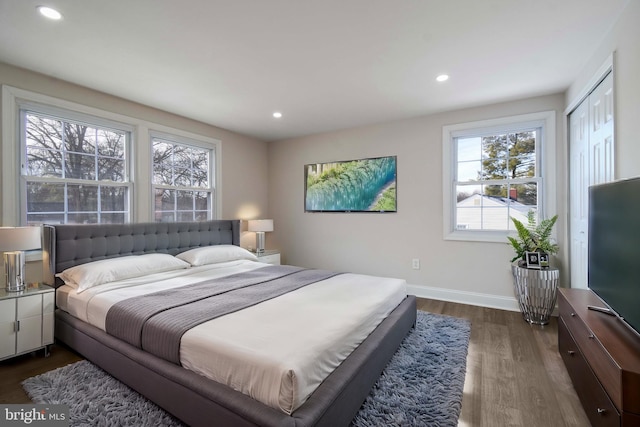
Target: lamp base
(14, 271)
(259, 242)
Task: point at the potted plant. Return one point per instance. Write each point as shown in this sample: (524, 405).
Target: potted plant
(535, 286)
(533, 237)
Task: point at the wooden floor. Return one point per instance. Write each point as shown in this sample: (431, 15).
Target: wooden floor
(515, 376)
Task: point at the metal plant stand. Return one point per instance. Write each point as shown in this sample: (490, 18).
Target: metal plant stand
(536, 292)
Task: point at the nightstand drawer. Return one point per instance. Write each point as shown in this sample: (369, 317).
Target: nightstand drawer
(26, 320)
(48, 302)
(29, 306)
(29, 335)
(7, 311)
(270, 259)
(7, 335)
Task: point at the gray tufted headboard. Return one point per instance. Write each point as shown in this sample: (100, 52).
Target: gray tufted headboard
(68, 245)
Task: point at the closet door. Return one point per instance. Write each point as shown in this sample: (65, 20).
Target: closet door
(579, 191)
(601, 132)
(591, 153)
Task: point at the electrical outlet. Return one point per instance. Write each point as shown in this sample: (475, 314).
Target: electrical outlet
(415, 263)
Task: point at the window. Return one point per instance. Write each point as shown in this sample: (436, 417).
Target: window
(496, 178)
(495, 170)
(64, 162)
(182, 180)
(74, 171)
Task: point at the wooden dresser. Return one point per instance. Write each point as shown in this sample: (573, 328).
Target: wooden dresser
(602, 356)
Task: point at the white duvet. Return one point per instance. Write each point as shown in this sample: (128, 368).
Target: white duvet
(278, 351)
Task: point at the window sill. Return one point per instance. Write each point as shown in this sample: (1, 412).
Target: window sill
(478, 236)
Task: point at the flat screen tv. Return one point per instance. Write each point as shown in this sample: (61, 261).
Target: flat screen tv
(614, 247)
(365, 185)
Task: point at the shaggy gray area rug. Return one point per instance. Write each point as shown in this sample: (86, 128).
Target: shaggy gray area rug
(421, 386)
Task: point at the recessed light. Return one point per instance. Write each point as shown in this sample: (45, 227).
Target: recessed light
(49, 13)
(442, 78)
(277, 114)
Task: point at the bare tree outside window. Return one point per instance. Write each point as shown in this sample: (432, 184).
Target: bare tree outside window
(182, 181)
(75, 172)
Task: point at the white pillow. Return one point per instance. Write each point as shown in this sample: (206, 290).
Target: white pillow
(85, 276)
(215, 254)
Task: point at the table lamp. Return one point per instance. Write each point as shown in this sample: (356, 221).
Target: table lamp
(13, 241)
(260, 226)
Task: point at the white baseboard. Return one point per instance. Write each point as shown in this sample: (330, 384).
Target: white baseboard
(463, 297)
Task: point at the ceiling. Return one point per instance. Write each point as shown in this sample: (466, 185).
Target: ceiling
(325, 64)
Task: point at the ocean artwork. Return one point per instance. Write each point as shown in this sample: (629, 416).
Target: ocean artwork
(367, 185)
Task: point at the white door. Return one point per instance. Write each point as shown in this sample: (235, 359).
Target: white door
(579, 190)
(601, 132)
(591, 153)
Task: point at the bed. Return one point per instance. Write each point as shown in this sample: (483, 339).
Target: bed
(189, 395)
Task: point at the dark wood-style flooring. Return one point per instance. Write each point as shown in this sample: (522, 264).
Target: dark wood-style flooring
(515, 376)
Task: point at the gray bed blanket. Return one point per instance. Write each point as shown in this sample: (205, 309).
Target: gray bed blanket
(157, 321)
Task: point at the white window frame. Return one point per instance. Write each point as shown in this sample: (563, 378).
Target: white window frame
(185, 141)
(141, 209)
(545, 153)
(76, 118)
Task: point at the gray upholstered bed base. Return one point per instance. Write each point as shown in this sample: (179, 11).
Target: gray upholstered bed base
(199, 401)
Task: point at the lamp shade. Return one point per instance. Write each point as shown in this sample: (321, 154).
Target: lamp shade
(19, 238)
(260, 225)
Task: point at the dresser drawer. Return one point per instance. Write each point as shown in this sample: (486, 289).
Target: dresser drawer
(597, 405)
(601, 363)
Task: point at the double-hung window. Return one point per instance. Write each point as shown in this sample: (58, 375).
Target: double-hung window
(183, 187)
(64, 162)
(74, 168)
(495, 171)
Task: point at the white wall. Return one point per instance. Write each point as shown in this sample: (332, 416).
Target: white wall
(624, 40)
(385, 244)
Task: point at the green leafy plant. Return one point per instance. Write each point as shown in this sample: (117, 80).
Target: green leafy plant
(533, 237)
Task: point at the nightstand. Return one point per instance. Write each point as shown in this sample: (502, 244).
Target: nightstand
(26, 320)
(269, 257)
